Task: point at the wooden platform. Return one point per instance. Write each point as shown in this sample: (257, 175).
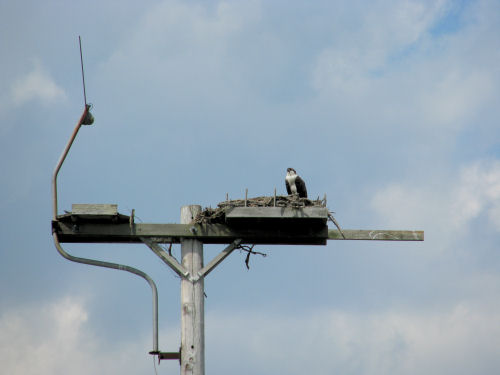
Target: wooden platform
(253, 225)
(83, 213)
(254, 217)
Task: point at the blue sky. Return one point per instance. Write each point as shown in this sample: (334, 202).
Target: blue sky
(391, 108)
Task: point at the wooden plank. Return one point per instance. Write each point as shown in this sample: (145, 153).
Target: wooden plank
(377, 235)
(178, 268)
(89, 232)
(219, 234)
(277, 213)
(94, 209)
(218, 259)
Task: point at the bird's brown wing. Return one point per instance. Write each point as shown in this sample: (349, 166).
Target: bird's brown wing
(301, 187)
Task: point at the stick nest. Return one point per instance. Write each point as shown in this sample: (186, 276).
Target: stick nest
(218, 215)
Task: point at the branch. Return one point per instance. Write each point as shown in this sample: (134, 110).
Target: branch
(330, 216)
(249, 250)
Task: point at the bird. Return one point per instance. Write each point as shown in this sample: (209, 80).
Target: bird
(295, 184)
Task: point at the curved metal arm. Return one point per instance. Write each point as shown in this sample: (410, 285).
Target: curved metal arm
(85, 119)
(120, 267)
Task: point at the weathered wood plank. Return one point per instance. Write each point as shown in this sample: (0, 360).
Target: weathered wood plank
(192, 302)
(377, 235)
(207, 233)
(220, 233)
(277, 213)
(94, 209)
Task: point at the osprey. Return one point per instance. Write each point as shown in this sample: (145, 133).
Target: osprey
(294, 184)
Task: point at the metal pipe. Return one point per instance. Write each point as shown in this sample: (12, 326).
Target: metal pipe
(87, 119)
(120, 267)
(83, 74)
(63, 157)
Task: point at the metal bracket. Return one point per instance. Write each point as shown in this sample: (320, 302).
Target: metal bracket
(167, 355)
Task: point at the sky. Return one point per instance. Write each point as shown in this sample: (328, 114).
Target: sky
(390, 108)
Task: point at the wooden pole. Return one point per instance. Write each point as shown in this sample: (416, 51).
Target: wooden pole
(192, 302)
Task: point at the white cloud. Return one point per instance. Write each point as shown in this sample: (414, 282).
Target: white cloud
(402, 75)
(36, 85)
(447, 205)
(185, 44)
(385, 29)
(478, 192)
(56, 339)
(460, 340)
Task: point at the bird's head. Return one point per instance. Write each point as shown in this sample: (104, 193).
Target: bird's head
(290, 172)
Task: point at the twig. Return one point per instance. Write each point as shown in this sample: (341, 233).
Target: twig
(249, 250)
(330, 216)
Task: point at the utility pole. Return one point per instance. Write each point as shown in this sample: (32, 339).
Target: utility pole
(192, 301)
(101, 223)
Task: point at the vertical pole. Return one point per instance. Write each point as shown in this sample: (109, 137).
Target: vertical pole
(192, 302)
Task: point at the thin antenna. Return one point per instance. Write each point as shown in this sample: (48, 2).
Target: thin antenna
(83, 74)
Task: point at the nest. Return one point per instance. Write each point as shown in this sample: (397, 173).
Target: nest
(218, 215)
